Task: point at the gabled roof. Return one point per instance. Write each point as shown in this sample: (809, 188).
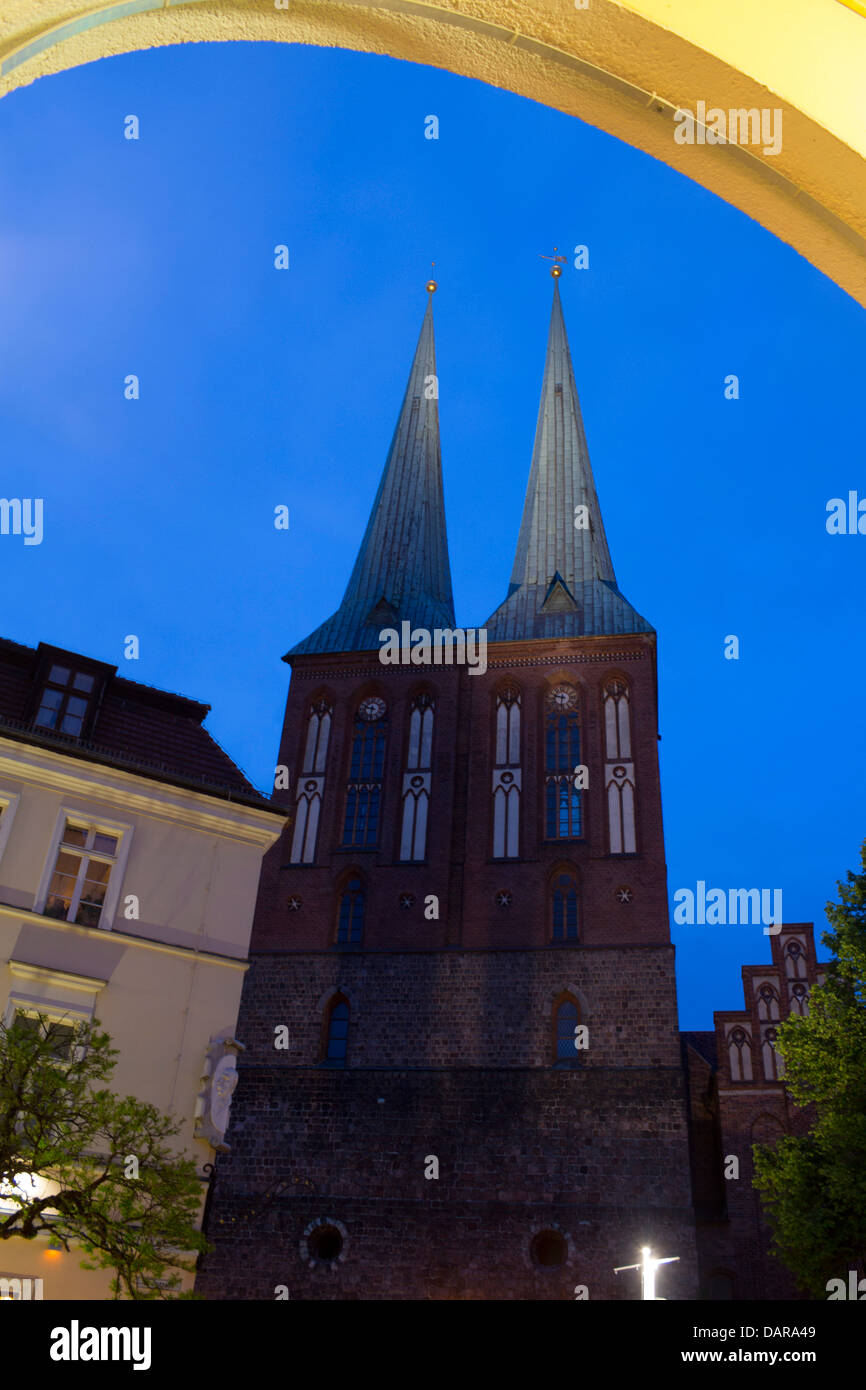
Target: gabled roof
(402, 572)
(137, 727)
(563, 583)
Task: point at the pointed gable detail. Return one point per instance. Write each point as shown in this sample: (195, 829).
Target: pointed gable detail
(559, 598)
(402, 572)
(562, 583)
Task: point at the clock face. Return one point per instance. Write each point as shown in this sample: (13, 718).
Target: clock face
(371, 708)
(562, 696)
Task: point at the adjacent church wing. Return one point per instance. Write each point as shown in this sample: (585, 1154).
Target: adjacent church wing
(311, 783)
(506, 772)
(619, 779)
(417, 779)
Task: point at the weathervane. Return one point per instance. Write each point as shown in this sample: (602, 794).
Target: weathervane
(556, 271)
(648, 1265)
(431, 284)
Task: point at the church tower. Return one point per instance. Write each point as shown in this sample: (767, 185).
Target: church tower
(462, 1076)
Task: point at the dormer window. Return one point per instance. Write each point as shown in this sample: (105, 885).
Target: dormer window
(65, 699)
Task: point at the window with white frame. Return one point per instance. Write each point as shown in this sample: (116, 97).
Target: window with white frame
(54, 1002)
(8, 807)
(58, 1031)
(82, 877)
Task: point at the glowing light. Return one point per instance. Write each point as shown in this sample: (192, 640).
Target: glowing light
(648, 1267)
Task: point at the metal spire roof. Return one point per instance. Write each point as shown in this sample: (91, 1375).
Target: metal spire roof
(562, 583)
(402, 570)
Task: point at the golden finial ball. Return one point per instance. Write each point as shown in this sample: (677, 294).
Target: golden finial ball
(431, 286)
(556, 272)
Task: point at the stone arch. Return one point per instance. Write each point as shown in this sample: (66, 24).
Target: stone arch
(626, 69)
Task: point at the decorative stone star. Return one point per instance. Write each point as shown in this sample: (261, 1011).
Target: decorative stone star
(295, 903)
(624, 894)
(503, 899)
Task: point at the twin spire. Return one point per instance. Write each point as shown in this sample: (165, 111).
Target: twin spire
(562, 583)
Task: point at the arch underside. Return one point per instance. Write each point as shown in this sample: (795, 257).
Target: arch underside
(624, 68)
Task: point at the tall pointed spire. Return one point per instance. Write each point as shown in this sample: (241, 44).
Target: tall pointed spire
(562, 583)
(402, 572)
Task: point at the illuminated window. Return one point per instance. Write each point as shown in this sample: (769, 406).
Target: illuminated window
(364, 789)
(84, 870)
(563, 820)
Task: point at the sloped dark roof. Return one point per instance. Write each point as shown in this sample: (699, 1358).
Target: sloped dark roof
(704, 1043)
(137, 727)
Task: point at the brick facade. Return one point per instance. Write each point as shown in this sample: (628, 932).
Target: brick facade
(736, 1099)
(451, 1047)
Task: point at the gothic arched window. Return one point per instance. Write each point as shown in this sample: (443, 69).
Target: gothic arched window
(565, 907)
(800, 1000)
(417, 779)
(740, 1054)
(350, 914)
(773, 1060)
(561, 756)
(337, 1035)
(796, 958)
(566, 1017)
(311, 783)
(366, 769)
(619, 778)
(506, 773)
(768, 1003)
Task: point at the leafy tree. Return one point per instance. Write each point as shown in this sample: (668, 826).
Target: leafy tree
(814, 1184)
(60, 1124)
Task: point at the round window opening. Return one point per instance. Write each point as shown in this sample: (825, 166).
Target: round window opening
(325, 1243)
(549, 1249)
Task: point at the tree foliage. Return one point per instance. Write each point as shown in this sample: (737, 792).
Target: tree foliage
(60, 1123)
(814, 1185)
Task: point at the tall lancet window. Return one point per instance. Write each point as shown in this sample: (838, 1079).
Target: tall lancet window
(311, 783)
(563, 819)
(506, 773)
(366, 769)
(416, 779)
(619, 768)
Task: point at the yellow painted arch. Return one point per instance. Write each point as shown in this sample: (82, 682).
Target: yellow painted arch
(623, 67)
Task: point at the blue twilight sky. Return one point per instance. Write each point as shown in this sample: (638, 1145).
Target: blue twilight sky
(261, 387)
